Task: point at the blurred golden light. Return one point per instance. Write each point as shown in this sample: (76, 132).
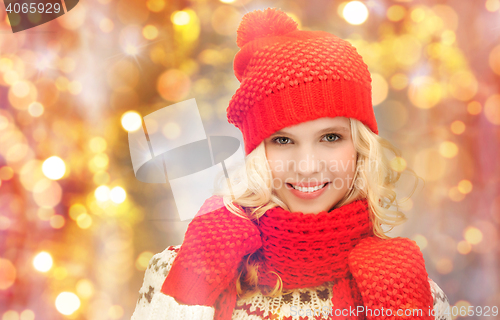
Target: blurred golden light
(150, 32)
(225, 19)
(173, 85)
(106, 25)
(102, 193)
(10, 77)
(380, 89)
(143, 259)
(21, 94)
(27, 314)
(117, 195)
(396, 13)
(458, 127)
(62, 83)
(494, 59)
(492, 5)
(67, 303)
(465, 186)
(35, 109)
(45, 213)
(132, 50)
(6, 173)
(421, 241)
(455, 195)
(492, 109)
(155, 5)
(447, 14)
(227, 1)
(20, 89)
(4, 122)
(180, 18)
(54, 168)
(84, 221)
(429, 164)
(131, 121)
(76, 210)
(474, 107)
(115, 312)
(97, 144)
(17, 152)
(43, 261)
(6, 64)
(448, 149)
(448, 37)
(57, 221)
(424, 92)
(123, 74)
(10, 315)
(463, 85)
(4, 223)
(101, 177)
(463, 247)
(355, 12)
(171, 130)
(67, 65)
(75, 87)
(473, 235)
(444, 266)
(461, 305)
(60, 273)
(418, 15)
(85, 288)
(7, 274)
(99, 161)
(210, 57)
(407, 49)
(399, 81)
(398, 164)
(47, 193)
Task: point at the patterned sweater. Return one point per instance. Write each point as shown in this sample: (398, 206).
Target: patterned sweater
(304, 303)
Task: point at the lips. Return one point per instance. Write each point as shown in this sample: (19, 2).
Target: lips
(308, 192)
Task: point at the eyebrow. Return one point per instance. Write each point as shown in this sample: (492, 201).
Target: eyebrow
(329, 129)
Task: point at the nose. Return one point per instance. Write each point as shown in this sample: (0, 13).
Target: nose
(306, 162)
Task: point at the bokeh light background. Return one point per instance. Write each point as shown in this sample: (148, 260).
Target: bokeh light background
(77, 229)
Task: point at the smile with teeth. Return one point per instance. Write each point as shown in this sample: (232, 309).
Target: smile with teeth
(308, 190)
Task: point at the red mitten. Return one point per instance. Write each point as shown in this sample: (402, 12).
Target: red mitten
(391, 274)
(206, 265)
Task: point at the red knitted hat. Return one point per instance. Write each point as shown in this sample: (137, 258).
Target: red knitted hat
(288, 76)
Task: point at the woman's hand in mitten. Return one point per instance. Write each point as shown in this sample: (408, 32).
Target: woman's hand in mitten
(214, 245)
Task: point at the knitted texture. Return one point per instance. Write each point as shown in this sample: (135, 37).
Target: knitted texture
(257, 307)
(391, 275)
(206, 266)
(305, 250)
(310, 249)
(288, 76)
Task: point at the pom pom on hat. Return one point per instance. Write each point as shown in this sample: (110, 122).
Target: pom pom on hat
(260, 24)
(289, 76)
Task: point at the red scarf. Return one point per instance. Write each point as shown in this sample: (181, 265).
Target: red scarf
(307, 250)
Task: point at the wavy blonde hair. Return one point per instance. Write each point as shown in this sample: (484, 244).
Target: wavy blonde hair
(374, 179)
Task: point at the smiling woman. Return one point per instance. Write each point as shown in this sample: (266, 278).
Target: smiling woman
(314, 160)
(315, 191)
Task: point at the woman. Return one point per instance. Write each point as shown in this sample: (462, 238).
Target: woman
(305, 239)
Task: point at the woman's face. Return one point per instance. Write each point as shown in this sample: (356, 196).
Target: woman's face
(311, 154)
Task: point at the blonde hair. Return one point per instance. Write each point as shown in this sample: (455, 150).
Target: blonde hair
(374, 179)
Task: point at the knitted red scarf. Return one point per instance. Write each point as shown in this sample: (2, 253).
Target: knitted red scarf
(307, 250)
